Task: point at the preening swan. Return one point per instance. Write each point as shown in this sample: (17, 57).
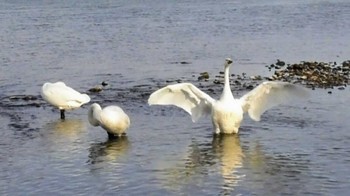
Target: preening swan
(63, 97)
(111, 118)
(227, 112)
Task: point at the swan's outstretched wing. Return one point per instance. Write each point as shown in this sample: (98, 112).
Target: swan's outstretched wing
(268, 95)
(186, 96)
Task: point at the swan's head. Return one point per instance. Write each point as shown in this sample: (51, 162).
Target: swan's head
(228, 62)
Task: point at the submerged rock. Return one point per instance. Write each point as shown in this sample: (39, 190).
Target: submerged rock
(181, 62)
(280, 63)
(96, 89)
(99, 87)
(20, 101)
(203, 76)
(23, 97)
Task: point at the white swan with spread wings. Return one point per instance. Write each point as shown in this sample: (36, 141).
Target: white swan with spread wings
(227, 112)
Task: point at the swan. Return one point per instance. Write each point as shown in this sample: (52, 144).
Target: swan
(63, 97)
(111, 118)
(227, 112)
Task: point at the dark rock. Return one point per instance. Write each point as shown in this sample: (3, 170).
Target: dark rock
(184, 62)
(250, 87)
(217, 82)
(23, 97)
(237, 82)
(104, 83)
(203, 75)
(346, 63)
(280, 63)
(29, 98)
(180, 62)
(210, 90)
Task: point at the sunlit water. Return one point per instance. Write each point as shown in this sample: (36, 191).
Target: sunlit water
(136, 46)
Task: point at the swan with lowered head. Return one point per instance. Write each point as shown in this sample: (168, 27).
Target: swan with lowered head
(227, 112)
(63, 97)
(111, 118)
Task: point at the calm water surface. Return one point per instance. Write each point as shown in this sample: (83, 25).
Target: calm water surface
(301, 148)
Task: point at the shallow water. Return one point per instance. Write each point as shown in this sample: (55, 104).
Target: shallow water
(299, 148)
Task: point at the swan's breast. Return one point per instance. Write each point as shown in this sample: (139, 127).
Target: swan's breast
(227, 117)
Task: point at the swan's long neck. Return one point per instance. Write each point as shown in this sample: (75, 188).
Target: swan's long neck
(227, 94)
(94, 114)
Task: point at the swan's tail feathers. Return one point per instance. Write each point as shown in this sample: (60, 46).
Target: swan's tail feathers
(85, 98)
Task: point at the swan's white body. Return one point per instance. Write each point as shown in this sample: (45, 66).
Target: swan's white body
(111, 118)
(227, 112)
(63, 97)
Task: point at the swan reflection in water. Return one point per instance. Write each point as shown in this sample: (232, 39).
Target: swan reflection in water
(69, 128)
(64, 139)
(229, 151)
(223, 155)
(108, 151)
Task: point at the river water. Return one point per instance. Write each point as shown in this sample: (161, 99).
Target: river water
(300, 148)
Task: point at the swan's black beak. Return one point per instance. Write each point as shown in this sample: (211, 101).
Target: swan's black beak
(229, 61)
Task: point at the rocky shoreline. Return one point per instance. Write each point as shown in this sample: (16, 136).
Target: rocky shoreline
(310, 74)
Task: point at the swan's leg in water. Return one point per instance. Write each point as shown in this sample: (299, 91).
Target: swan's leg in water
(114, 136)
(62, 114)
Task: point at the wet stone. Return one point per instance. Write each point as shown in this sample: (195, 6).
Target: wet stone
(17, 101)
(181, 62)
(96, 89)
(203, 76)
(280, 63)
(104, 83)
(23, 97)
